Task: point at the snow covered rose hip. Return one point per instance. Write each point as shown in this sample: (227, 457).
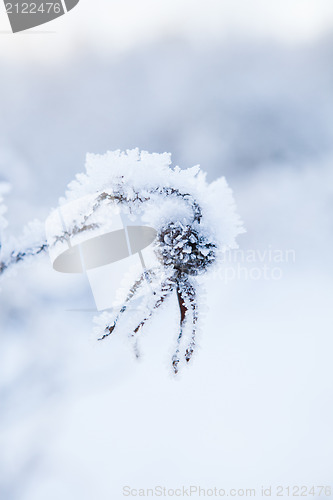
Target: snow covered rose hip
(195, 223)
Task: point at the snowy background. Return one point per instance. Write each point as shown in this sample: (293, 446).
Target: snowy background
(246, 91)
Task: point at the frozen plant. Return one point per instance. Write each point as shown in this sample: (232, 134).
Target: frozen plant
(195, 222)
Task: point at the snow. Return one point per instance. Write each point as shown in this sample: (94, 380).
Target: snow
(80, 418)
(4, 188)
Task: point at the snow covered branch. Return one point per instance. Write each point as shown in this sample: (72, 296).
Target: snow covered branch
(13, 251)
(194, 223)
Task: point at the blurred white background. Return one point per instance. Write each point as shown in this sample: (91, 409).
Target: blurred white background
(244, 89)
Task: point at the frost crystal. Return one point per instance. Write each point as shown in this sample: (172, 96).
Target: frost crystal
(195, 222)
